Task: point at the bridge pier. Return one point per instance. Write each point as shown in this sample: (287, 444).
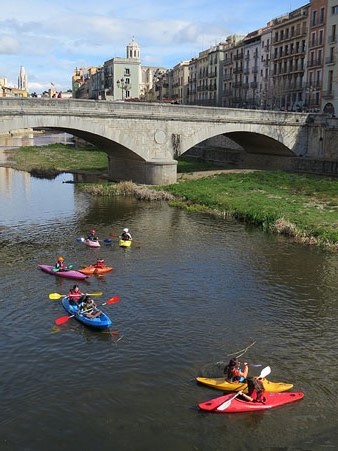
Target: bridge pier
(154, 172)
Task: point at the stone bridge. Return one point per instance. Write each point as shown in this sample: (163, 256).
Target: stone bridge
(144, 140)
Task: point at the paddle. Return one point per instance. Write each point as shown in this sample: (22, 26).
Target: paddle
(55, 296)
(106, 240)
(220, 404)
(64, 319)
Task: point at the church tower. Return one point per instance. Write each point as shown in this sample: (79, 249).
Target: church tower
(133, 50)
(22, 79)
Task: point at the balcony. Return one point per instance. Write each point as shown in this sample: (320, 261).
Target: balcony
(330, 60)
(238, 70)
(315, 63)
(328, 95)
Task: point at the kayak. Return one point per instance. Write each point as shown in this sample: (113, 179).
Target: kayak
(222, 384)
(91, 243)
(91, 269)
(125, 243)
(232, 404)
(100, 322)
(68, 273)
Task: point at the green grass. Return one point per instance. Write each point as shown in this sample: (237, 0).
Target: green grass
(58, 157)
(302, 205)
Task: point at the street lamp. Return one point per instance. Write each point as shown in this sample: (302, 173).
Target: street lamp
(123, 85)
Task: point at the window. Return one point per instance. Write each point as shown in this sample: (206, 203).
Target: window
(322, 14)
(321, 37)
(314, 18)
(334, 9)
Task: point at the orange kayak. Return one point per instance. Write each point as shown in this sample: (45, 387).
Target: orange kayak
(91, 269)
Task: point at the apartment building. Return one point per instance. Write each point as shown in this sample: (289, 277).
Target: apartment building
(329, 100)
(315, 55)
(266, 91)
(289, 38)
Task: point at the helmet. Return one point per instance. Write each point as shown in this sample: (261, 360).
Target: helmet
(92, 232)
(60, 259)
(126, 230)
(100, 260)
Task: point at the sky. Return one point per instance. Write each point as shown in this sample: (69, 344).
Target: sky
(51, 38)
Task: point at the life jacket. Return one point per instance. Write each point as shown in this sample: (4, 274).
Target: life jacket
(60, 265)
(75, 295)
(232, 373)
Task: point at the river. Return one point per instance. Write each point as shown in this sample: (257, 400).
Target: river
(193, 290)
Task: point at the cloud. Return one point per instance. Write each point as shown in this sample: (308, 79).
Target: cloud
(8, 45)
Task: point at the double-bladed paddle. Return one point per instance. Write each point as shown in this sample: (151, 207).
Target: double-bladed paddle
(55, 296)
(106, 240)
(64, 319)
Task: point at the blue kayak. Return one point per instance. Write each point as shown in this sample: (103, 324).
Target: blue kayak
(100, 322)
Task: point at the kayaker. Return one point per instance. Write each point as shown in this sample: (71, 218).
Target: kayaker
(234, 372)
(60, 265)
(126, 235)
(92, 235)
(89, 308)
(75, 294)
(255, 390)
(99, 263)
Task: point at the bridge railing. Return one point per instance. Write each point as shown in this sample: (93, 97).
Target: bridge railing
(160, 111)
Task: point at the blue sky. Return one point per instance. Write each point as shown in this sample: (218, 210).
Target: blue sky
(51, 38)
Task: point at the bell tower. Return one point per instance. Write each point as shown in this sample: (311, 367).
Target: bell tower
(133, 50)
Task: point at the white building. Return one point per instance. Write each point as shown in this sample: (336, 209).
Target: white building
(22, 79)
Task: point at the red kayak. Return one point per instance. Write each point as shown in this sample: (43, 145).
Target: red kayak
(233, 403)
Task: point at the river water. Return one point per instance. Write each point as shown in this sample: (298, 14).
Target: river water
(193, 289)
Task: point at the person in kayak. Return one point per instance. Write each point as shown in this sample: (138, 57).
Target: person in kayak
(99, 263)
(60, 264)
(126, 235)
(92, 235)
(89, 308)
(255, 390)
(234, 372)
(75, 294)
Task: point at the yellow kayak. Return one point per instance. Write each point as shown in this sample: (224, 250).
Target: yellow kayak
(125, 243)
(222, 384)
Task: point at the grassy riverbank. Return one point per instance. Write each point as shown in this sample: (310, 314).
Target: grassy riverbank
(304, 207)
(57, 158)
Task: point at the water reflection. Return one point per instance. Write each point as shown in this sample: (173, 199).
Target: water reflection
(34, 139)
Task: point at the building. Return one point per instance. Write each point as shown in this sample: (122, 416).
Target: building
(289, 38)
(22, 80)
(315, 55)
(329, 99)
